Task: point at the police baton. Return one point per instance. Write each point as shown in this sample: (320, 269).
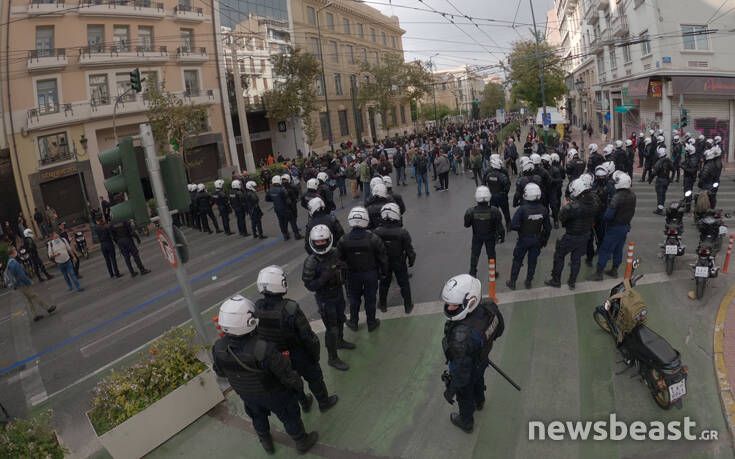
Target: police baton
(507, 378)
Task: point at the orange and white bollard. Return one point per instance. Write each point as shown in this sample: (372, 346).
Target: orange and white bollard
(491, 274)
(729, 251)
(629, 263)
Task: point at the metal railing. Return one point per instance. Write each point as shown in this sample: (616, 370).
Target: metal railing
(189, 50)
(62, 153)
(47, 52)
(47, 2)
(116, 49)
(139, 4)
(188, 9)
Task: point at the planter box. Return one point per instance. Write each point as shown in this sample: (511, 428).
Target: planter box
(151, 427)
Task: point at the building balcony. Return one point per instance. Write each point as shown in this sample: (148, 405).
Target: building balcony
(40, 60)
(46, 8)
(592, 14)
(619, 25)
(130, 8)
(57, 154)
(101, 55)
(188, 55)
(597, 46)
(185, 13)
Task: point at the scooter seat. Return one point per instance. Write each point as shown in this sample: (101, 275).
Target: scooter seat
(652, 345)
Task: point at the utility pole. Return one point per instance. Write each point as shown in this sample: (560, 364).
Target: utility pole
(356, 110)
(324, 76)
(540, 75)
(433, 89)
(154, 173)
(241, 114)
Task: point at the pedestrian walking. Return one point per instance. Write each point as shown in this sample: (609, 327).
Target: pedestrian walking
(30, 245)
(63, 255)
(16, 278)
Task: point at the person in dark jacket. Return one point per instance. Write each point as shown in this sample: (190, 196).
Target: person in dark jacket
(252, 207)
(223, 205)
(325, 274)
(496, 180)
(677, 151)
(630, 151)
(603, 189)
(260, 374)
(398, 246)
(107, 245)
(650, 158)
(394, 196)
(282, 207)
(710, 174)
(528, 175)
(204, 206)
(293, 191)
(282, 322)
(318, 215)
(620, 157)
(663, 171)
(193, 211)
(556, 172)
(641, 146)
(532, 223)
(575, 166)
(326, 191)
(510, 155)
(690, 167)
(311, 192)
(239, 205)
(595, 158)
(379, 197)
(486, 222)
(30, 245)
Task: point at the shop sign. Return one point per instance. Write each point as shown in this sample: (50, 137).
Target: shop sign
(655, 89)
(58, 173)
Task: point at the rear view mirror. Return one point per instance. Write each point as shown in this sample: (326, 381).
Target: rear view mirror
(688, 194)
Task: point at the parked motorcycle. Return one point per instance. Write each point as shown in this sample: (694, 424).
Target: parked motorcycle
(624, 316)
(711, 234)
(81, 243)
(673, 247)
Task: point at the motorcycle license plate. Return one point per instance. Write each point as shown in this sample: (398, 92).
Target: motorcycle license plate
(701, 271)
(678, 390)
(723, 229)
(672, 250)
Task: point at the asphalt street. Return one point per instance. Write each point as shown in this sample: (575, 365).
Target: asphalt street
(113, 318)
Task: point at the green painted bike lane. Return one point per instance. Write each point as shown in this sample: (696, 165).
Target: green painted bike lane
(391, 402)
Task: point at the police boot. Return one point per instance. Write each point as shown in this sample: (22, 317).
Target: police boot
(334, 360)
(596, 276)
(305, 400)
(527, 283)
(556, 224)
(612, 272)
(511, 284)
(383, 306)
(306, 442)
(266, 441)
(327, 403)
(553, 283)
(572, 283)
(341, 343)
(408, 306)
(457, 421)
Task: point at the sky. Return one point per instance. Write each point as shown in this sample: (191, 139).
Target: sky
(497, 24)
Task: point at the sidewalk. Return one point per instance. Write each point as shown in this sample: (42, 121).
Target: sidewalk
(724, 357)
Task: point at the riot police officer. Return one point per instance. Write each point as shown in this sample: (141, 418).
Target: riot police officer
(223, 205)
(473, 324)
(318, 215)
(259, 374)
(595, 158)
(252, 207)
(486, 222)
(293, 191)
(367, 260)
(617, 218)
(630, 151)
(107, 246)
(577, 217)
(677, 151)
(528, 175)
(239, 205)
(710, 175)
(324, 274)
(326, 191)
(394, 196)
(282, 207)
(311, 186)
(379, 198)
(575, 165)
(38, 267)
(282, 322)
(496, 180)
(123, 234)
(641, 146)
(204, 206)
(532, 223)
(663, 171)
(540, 170)
(620, 157)
(557, 183)
(604, 190)
(193, 210)
(399, 249)
(690, 167)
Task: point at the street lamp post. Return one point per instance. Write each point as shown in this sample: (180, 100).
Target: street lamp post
(433, 87)
(324, 76)
(579, 84)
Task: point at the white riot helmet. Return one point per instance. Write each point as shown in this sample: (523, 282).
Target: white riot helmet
(535, 159)
(691, 141)
(200, 187)
(555, 158)
(621, 180)
(546, 158)
(379, 190)
(628, 142)
(710, 142)
(660, 131)
(191, 187)
(571, 153)
(236, 185)
(320, 238)
(27, 232)
(482, 194)
(660, 139)
(497, 156)
(387, 181)
(593, 147)
(648, 140)
(358, 217)
(463, 290)
(676, 138)
(312, 184)
(600, 171)
(618, 144)
(390, 212)
(272, 279)
(251, 185)
(609, 166)
(578, 187)
(607, 150)
(496, 163)
(690, 149)
(315, 205)
(640, 134)
(661, 152)
(651, 132)
(532, 192)
(718, 139)
(276, 180)
(237, 316)
(700, 137)
(374, 181)
(587, 178)
(218, 184)
(322, 177)
(285, 178)
(710, 153)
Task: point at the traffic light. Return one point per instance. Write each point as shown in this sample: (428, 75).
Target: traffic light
(684, 118)
(173, 173)
(123, 160)
(135, 82)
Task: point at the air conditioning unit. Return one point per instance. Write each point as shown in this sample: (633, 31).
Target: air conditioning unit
(698, 64)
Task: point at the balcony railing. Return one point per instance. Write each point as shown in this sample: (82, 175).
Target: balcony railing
(138, 8)
(191, 55)
(46, 7)
(187, 13)
(48, 109)
(61, 152)
(190, 93)
(118, 54)
(47, 52)
(619, 25)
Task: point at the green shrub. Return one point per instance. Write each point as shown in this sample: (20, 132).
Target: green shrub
(508, 130)
(30, 438)
(170, 363)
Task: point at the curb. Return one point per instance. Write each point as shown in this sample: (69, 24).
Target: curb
(727, 393)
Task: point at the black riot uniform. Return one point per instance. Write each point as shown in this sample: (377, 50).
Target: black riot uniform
(204, 206)
(239, 205)
(677, 150)
(650, 160)
(398, 246)
(499, 185)
(557, 184)
(282, 322)
(545, 185)
(252, 207)
(30, 245)
(123, 234)
(710, 175)
(523, 180)
(575, 168)
(691, 167)
(604, 189)
(326, 192)
(630, 151)
(577, 217)
(663, 171)
(594, 160)
(487, 228)
(533, 225)
(620, 158)
(367, 260)
(293, 191)
(194, 211)
(398, 199)
(266, 383)
(308, 196)
(374, 205)
(223, 205)
(322, 217)
(107, 245)
(325, 275)
(467, 344)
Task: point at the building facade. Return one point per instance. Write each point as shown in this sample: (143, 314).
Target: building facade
(456, 88)
(67, 98)
(652, 64)
(351, 33)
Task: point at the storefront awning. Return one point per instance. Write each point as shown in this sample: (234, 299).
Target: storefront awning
(703, 86)
(624, 108)
(638, 88)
